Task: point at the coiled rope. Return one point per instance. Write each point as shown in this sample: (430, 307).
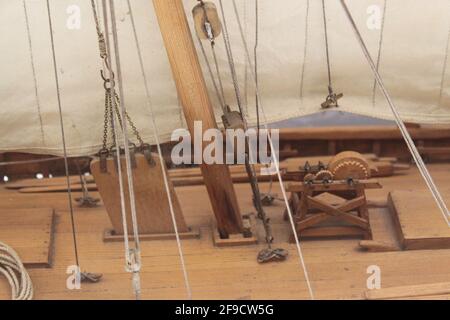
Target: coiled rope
(12, 268)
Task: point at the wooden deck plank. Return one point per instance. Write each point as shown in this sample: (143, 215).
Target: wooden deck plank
(337, 268)
(30, 233)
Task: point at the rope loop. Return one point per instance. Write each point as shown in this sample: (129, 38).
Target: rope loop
(13, 270)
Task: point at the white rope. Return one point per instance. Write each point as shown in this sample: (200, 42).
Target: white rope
(404, 131)
(274, 156)
(13, 270)
(136, 254)
(123, 209)
(161, 159)
(305, 52)
(380, 47)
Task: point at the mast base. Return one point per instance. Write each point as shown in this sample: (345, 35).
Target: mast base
(238, 239)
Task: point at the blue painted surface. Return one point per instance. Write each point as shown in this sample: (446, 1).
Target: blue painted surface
(330, 118)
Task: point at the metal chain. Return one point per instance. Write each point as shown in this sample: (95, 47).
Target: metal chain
(110, 102)
(106, 120)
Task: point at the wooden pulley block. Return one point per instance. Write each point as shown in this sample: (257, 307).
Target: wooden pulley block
(232, 119)
(204, 13)
(349, 165)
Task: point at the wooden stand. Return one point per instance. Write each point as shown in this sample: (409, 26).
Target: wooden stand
(152, 206)
(344, 214)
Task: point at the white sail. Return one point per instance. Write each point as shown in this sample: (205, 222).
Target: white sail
(412, 62)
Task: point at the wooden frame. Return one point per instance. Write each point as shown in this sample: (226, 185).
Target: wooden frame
(311, 212)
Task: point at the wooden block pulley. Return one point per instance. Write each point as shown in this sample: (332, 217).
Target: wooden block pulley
(206, 13)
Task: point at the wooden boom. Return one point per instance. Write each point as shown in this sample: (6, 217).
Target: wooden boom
(197, 106)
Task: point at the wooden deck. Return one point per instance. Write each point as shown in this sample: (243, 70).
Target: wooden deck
(337, 268)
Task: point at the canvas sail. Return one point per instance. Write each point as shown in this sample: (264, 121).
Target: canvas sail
(293, 80)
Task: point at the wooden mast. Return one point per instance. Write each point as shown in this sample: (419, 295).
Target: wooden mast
(197, 106)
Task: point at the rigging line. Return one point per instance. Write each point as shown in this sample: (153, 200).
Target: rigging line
(123, 209)
(326, 43)
(380, 44)
(305, 51)
(137, 263)
(63, 136)
(219, 78)
(33, 69)
(161, 159)
(246, 65)
(250, 168)
(255, 59)
(444, 68)
(226, 41)
(404, 131)
(210, 36)
(211, 74)
(10, 163)
(275, 161)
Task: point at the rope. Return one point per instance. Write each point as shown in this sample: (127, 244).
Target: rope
(305, 51)
(250, 168)
(230, 59)
(275, 160)
(444, 68)
(33, 69)
(380, 44)
(326, 43)
(255, 59)
(11, 163)
(128, 260)
(220, 94)
(12, 268)
(244, 6)
(135, 268)
(410, 143)
(63, 136)
(161, 159)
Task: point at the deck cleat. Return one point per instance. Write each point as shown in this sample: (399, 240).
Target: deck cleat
(269, 255)
(90, 277)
